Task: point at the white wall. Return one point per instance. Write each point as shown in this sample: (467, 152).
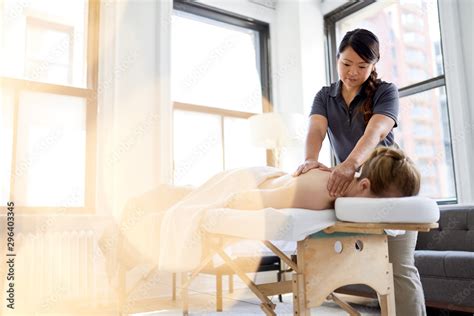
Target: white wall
(466, 28)
(300, 48)
(457, 42)
(313, 59)
(466, 12)
(300, 43)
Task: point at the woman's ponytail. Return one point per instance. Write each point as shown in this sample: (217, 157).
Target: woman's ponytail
(370, 88)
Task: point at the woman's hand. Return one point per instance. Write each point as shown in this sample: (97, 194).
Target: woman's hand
(308, 165)
(340, 178)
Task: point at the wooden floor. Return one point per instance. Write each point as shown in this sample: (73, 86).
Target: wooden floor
(243, 302)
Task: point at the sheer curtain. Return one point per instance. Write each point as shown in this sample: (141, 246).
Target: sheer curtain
(133, 102)
(133, 132)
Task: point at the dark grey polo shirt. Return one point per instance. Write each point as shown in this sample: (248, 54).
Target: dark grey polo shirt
(346, 124)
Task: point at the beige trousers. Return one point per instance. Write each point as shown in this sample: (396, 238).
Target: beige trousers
(409, 298)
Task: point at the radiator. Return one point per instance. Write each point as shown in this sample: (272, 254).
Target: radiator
(59, 270)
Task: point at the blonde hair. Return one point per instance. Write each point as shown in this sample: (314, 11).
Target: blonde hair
(389, 168)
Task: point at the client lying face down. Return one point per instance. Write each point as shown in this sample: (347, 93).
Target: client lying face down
(386, 173)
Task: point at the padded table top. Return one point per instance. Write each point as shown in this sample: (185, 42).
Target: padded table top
(290, 224)
(293, 224)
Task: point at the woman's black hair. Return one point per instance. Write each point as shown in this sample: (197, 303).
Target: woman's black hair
(366, 45)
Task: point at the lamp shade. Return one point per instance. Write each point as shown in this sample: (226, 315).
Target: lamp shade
(277, 130)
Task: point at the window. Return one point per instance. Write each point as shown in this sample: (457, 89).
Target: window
(416, 74)
(40, 37)
(48, 104)
(413, 38)
(412, 4)
(411, 20)
(413, 28)
(219, 78)
(423, 131)
(414, 56)
(421, 112)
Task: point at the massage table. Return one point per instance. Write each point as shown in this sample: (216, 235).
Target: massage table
(348, 245)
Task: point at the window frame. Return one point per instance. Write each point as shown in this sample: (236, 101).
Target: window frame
(263, 29)
(89, 93)
(350, 8)
(69, 31)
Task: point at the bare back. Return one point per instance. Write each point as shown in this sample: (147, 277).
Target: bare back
(309, 190)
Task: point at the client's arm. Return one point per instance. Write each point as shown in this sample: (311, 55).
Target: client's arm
(258, 199)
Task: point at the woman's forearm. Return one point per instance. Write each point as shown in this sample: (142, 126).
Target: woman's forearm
(314, 139)
(362, 150)
(313, 146)
(377, 129)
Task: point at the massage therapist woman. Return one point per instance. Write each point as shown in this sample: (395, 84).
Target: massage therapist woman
(359, 112)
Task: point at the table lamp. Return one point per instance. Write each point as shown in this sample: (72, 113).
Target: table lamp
(276, 131)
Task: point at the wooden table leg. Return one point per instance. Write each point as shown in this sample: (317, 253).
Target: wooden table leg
(231, 283)
(184, 293)
(299, 297)
(219, 292)
(387, 304)
(173, 293)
